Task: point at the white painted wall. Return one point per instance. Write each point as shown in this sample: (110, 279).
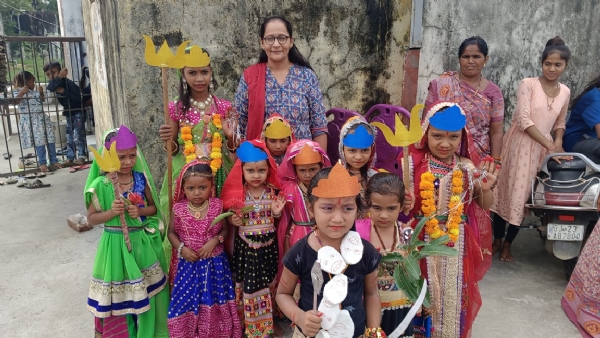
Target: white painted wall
(70, 16)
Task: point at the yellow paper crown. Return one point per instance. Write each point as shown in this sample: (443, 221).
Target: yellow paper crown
(277, 129)
(402, 137)
(195, 56)
(307, 155)
(109, 160)
(338, 184)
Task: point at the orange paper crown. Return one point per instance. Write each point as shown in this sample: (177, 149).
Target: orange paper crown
(338, 184)
(307, 155)
(277, 129)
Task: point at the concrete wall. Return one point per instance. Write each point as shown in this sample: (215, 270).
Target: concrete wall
(70, 17)
(357, 49)
(516, 32)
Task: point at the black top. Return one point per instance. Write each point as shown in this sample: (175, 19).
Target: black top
(300, 259)
(70, 99)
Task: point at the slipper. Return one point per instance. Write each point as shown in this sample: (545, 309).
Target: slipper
(30, 155)
(27, 164)
(21, 182)
(2, 182)
(36, 184)
(30, 176)
(7, 155)
(76, 168)
(40, 174)
(11, 180)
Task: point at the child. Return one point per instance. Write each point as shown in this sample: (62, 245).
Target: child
(536, 130)
(277, 134)
(68, 95)
(202, 303)
(444, 184)
(357, 148)
(349, 304)
(35, 127)
(385, 199)
(128, 291)
(253, 182)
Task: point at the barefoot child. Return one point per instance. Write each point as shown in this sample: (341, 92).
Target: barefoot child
(127, 293)
(385, 199)
(253, 180)
(202, 303)
(349, 303)
(277, 135)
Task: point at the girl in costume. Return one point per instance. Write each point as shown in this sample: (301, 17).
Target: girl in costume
(357, 148)
(203, 297)
(536, 130)
(253, 183)
(197, 126)
(385, 198)
(128, 293)
(349, 304)
(446, 184)
(277, 135)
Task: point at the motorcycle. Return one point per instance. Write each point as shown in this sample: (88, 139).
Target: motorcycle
(565, 197)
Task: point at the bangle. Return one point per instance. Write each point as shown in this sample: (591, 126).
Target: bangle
(220, 238)
(179, 250)
(374, 332)
(173, 149)
(276, 215)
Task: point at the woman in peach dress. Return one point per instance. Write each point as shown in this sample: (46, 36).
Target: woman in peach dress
(542, 104)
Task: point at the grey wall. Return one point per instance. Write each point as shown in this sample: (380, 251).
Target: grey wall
(357, 49)
(516, 32)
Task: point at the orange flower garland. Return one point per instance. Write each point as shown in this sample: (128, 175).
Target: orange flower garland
(216, 154)
(455, 207)
(189, 149)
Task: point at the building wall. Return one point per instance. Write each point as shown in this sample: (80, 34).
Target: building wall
(356, 48)
(516, 32)
(70, 16)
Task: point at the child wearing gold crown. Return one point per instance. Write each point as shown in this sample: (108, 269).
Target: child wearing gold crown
(445, 185)
(253, 184)
(202, 304)
(128, 293)
(349, 304)
(277, 135)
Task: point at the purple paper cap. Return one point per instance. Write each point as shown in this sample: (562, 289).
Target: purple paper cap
(125, 139)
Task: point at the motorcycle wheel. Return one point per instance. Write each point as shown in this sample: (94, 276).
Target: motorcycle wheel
(569, 266)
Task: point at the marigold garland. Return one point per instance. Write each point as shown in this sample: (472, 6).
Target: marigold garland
(455, 206)
(189, 149)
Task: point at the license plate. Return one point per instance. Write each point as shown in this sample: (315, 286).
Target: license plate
(565, 232)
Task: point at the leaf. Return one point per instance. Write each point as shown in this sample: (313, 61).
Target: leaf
(440, 240)
(402, 281)
(418, 244)
(417, 232)
(412, 266)
(438, 250)
(391, 257)
(221, 217)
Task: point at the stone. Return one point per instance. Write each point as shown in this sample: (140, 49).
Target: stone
(79, 223)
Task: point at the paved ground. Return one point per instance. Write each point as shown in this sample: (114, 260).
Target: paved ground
(45, 272)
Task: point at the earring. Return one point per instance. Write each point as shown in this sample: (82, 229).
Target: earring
(211, 86)
(184, 84)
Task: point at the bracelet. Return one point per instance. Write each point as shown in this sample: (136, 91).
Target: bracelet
(374, 332)
(230, 149)
(172, 149)
(179, 250)
(276, 215)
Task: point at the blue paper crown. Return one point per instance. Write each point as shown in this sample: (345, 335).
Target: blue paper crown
(450, 119)
(360, 139)
(247, 152)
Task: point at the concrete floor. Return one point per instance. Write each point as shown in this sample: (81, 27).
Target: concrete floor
(46, 269)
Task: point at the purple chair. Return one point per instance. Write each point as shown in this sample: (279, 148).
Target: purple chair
(387, 156)
(336, 117)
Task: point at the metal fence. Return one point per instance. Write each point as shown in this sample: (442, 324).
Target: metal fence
(25, 120)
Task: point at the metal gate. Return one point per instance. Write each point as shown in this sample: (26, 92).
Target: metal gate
(22, 121)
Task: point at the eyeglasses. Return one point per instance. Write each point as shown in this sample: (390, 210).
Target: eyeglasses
(282, 39)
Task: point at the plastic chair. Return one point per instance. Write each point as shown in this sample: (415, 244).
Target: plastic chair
(336, 117)
(386, 154)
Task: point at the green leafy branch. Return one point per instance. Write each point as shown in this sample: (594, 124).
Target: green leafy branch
(407, 273)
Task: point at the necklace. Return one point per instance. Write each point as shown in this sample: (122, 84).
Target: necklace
(550, 101)
(126, 183)
(478, 85)
(440, 168)
(201, 105)
(197, 211)
(394, 243)
(200, 108)
(256, 203)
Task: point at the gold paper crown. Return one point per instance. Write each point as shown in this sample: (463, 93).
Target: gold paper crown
(402, 137)
(277, 129)
(109, 160)
(164, 57)
(338, 184)
(307, 155)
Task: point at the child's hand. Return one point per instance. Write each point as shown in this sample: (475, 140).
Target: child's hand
(133, 211)
(40, 89)
(309, 322)
(189, 254)
(489, 174)
(229, 125)
(236, 220)
(24, 90)
(278, 204)
(118, 207)
(165, 132)
(208, 248)
(63, 73)
(409, 202)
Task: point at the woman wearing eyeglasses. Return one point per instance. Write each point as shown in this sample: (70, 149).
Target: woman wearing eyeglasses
(281, 82)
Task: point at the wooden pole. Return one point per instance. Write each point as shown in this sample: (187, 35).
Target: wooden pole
(405, 168)
(165, 90)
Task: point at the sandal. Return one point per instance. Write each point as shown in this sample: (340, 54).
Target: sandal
(44, 168)
(27, 164)
(79, 161)
(40, 174)
(55, 167)
(7, 155)
(68, 163)
(30, 176)
(36, 184)
(21, 182)
(78, 167)
(11, 180)
(30, 155)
